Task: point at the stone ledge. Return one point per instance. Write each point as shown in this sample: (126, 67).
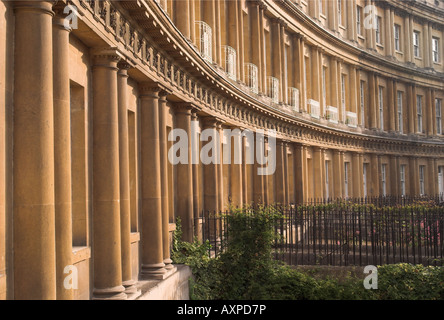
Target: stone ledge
(175, 287)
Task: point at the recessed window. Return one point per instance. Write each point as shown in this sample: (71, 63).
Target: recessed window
(402, 179)
(438, 110)
(419, 112)
(384, 179)
(416, 51)
(396, 33)
(378, 30)
(359, 20)
(435, 50)
(381, 107)
(421, 180)
(399, 105)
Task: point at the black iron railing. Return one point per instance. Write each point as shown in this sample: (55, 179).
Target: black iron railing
(341, 233)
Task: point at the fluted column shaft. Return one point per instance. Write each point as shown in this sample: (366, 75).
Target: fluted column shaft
(33, 153)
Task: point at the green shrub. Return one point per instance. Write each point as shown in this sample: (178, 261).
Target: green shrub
(246, 270)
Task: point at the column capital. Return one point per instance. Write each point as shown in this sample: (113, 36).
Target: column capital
(186, 107)
(106, 57)
(211, 121)
(153, 89)
(60, 16)
(43, 6)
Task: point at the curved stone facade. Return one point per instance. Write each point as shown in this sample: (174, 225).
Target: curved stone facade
(346, 96)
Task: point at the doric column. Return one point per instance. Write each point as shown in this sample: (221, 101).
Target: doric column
(236, 167)
(407, 38)
(184, 171)
(394, 175)
(280, 173)
(430, 112)
(413, 176)
(391, 105)
(351, 18)
(153, 265)
(211, 176)
(373, 101)
(356, 175)
(106, 184)
(299, 173)
(388, 32)
(411, 100)
(375, 172)
(62, 152)
(286, 174)
(256, 41)
(246, 169)
(318, 171)
(337, 174)
(195, 156)
(163, 144)
(220, 168)
(183, 23)
(33, 153)
(125, 206)
(258, 179)
(334, 85)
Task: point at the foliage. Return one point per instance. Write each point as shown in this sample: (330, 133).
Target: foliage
(246, 269)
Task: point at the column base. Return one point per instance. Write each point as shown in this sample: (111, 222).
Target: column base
(114, 293)
(131, 289)
(155, 271)
(168, 264)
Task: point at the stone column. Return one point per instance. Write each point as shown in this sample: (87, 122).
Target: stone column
(391, 94)
(236, 168)
(211, 176)
(256, 42)
(125, 206)
(337, 174)
(413, 176)
(411, 100)
(299, 172)
(429, 112)
(220, 168)
(388, 32)
(373, 101)
(356, 176)
(195, 150)
(318, 169)
(33, 236)
(286, 174)
(163, 143)
(394, 175)
(407, 39)
(153, 266)
(106, 184)
(258, 180)
(334, 84)
(62, 153)
(183, 22)
(375, 172)
(431, 176)
(184, 200)
(279, 173)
